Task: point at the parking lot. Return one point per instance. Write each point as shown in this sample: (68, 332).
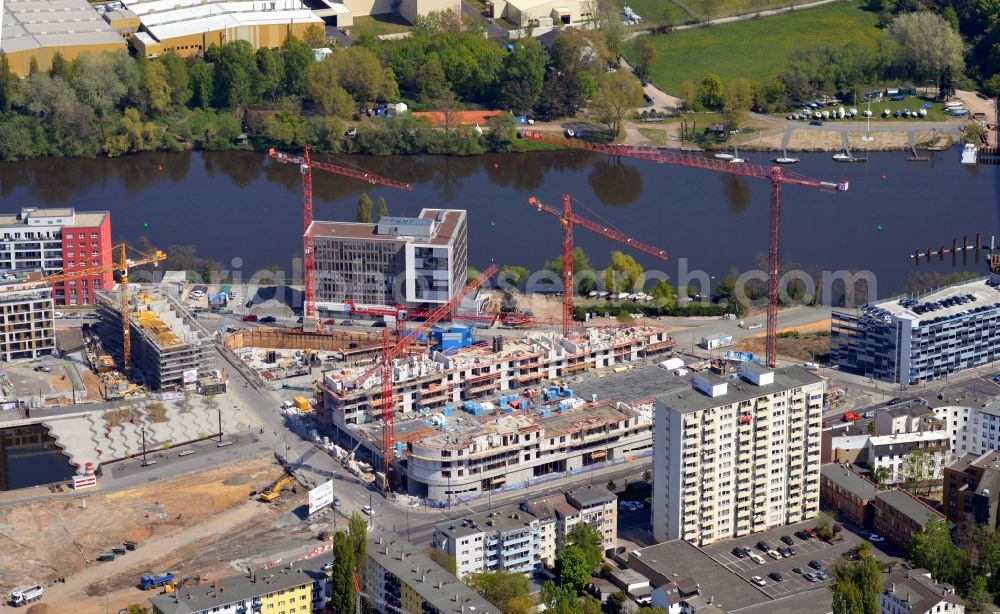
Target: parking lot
(805, 551)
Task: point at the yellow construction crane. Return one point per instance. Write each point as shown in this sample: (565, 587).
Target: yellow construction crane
(121, 267)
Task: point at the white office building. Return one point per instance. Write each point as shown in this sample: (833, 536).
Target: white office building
(896, 453)
(913, 591)
(737, 456)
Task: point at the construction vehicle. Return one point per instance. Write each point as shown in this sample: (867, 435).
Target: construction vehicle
(23, 595)
(274, 490)
(306, 167)
(775, 175)
(151, 581)
(350, 456)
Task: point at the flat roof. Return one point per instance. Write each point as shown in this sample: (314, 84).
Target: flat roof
(85, 219)
(814, 601)
(726, 589)
(909, 506)
(34, 24)
(428, 579)
(165, 19)
(983, 295)
(500, 520)
(691, 399)
(205, 596)
(441, 235)
(588, 495)
(638, 384)
(849, 481)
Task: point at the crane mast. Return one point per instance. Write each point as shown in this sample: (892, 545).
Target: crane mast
(773, 174)
(306, 166)
(568, 219)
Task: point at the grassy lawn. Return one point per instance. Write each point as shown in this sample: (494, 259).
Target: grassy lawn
(658, 12)
(657, 136)
(756, 48)
(379, 25)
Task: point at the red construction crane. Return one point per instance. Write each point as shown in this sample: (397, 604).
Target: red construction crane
(392, 351)
(568, 219)
(774, 174)
(306, 167)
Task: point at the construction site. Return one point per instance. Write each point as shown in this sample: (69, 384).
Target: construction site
(168, 350)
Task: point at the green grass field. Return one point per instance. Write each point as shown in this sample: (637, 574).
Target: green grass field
(379, 25)
(658, 12)
(756, 48)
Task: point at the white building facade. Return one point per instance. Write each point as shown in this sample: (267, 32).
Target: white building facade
(737, 456)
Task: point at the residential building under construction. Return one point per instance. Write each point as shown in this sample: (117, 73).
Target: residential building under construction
(435, 380)
(169, 352)
(26, 323)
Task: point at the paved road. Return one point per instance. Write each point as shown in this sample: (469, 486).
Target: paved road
(492, 29)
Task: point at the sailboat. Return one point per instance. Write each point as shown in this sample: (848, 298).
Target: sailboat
(843, 157)
(736, 159)
(785, 159)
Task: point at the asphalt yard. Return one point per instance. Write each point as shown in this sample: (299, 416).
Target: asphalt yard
(804, 552)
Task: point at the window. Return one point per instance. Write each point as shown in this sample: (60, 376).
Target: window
(93, 235)
(69, 235)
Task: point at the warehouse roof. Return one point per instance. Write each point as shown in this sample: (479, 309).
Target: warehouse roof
(691, 399)
(34, 24)
(165, 19)
(231, 590)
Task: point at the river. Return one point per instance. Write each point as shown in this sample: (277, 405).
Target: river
(240, 205)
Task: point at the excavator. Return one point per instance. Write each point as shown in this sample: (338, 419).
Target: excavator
(274, 490)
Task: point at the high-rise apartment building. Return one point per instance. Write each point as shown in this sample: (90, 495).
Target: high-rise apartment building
(53, 240)
(737, 456)
(397, 261)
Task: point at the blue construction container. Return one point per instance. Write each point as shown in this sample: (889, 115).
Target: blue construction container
(448, 411)
(503, 401)
(508, 410)
(563, 406)
(568, 393)
(513, 396)
(399, 447)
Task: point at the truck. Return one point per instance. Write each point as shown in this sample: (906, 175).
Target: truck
(151, 581)
(23, 595)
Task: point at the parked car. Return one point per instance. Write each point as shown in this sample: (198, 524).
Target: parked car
(811, 533)
(802, 535)
(800, 570)
(328, 566)
(250, 318)
(347, 323)
(815, 122)
(756, 558)
(774, 554)
(816, 565)
(776, 576)
(874, 538)
(763, 546)
(758, 581)
(268, 320)
(786, 552)
(822, 575)
(368, 510)
(787, 539)
(329, 322)
(741, 552)
(811, 577)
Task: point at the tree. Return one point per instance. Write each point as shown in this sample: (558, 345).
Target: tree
(503, 131)
(847, 598)
(711, 91)
(471, 274)
(589, 540)
(916, 469)
(442, 558)
(178, 77)
(500, 588)
(514, 275)
(857, 587)
(946, 84)
(880, 477)
(523, 77)
(298, 58)
(61, 67)
(364, 213)
(286, 128)
(934, 550)
(271, 66)
(616, 34)
(623, 274)
(616, 601)
(361, 74)
(558, 599)
(357, 530)
(7, 81)
(158, 90)
(583, 271)
(431, 79)
(343, 598)
(202, 85)
(97, 84)
(314, 36)
(135, 608)
(618, 93)
(235, 75)
(738, 100)
(572, 568)
(325, 91)
(381, 208)
(927, 44)
(645, 54)
(589, 605)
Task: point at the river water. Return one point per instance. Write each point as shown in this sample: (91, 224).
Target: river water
(240, 205)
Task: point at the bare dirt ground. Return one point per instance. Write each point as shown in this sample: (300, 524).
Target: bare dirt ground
(800, 342)
(171, 520)
(975, 104)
